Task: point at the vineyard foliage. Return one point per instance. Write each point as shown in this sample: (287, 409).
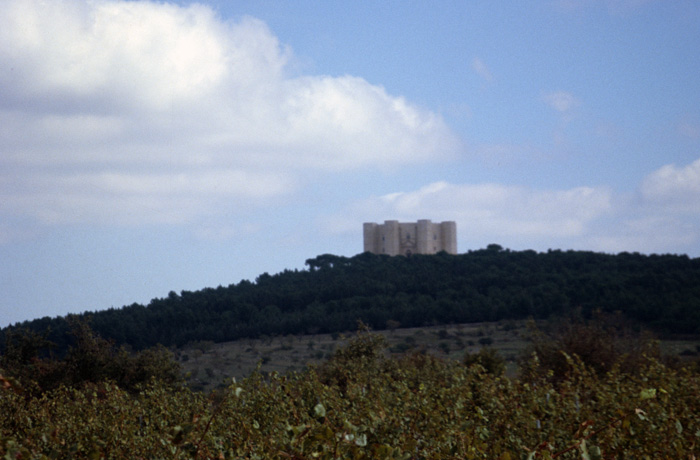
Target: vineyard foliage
(361, 404)
(28, 359)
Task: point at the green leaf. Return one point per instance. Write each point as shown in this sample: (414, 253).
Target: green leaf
(361, 440)
(648, 393)
(584, 451)
(595, 453)
(590, 452)
(319, 410)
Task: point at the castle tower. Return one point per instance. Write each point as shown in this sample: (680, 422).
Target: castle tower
(370, 234)
(407, 238)
(448, 234)
(423, 237)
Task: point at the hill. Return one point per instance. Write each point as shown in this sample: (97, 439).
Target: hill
(661, 292)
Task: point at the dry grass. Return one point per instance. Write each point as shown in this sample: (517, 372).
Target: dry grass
(211, 365)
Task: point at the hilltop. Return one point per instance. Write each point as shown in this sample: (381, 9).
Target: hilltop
(660, 292)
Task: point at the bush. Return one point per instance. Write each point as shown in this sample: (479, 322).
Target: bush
(417, 406)
(401, 347)
(363, 354)
(91, 359)
(602, 344)
(488, 358)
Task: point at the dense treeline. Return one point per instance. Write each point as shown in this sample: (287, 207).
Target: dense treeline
(27, 360)
(660, 291)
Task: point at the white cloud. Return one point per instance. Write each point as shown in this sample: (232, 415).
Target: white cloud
(645, 231)
(82, 55)
(225, 232)
(134, 198)
(490, 211)
(121, 112)
(674, 188)
(662, 216)
(561, 101)
(368, 126)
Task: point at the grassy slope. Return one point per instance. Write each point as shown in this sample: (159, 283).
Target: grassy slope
(211, 364)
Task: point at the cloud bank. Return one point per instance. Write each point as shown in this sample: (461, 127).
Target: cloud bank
(137, 112)
(660, 216)
(674, 188)
(116, 112)
(493, 210)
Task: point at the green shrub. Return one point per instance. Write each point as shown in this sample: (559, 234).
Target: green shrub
(602, 344)
(91, 359)
(362, 405)
(488, 358)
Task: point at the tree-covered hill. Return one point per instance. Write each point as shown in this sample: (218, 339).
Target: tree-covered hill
(334, 292)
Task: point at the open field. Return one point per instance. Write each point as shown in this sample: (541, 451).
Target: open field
(209, 364)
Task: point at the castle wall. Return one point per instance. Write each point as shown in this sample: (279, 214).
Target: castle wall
(390, 234)
(407, 238)
(370, 234)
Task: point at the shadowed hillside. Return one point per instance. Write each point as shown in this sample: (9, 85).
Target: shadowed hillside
(661, 292)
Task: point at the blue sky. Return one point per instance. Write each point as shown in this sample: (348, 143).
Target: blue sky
(155, 146)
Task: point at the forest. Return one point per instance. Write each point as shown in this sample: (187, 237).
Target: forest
(658, 292)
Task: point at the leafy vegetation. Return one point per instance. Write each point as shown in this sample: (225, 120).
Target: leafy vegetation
(91, 359)
(661, 292)
(361, 404)
(602, 343)
(592, 388)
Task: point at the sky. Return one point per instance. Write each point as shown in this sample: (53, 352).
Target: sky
(149, 147)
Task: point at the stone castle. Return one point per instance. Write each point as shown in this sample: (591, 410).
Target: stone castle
(398, 238)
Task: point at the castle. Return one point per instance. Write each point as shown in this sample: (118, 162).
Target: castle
(422, 237)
